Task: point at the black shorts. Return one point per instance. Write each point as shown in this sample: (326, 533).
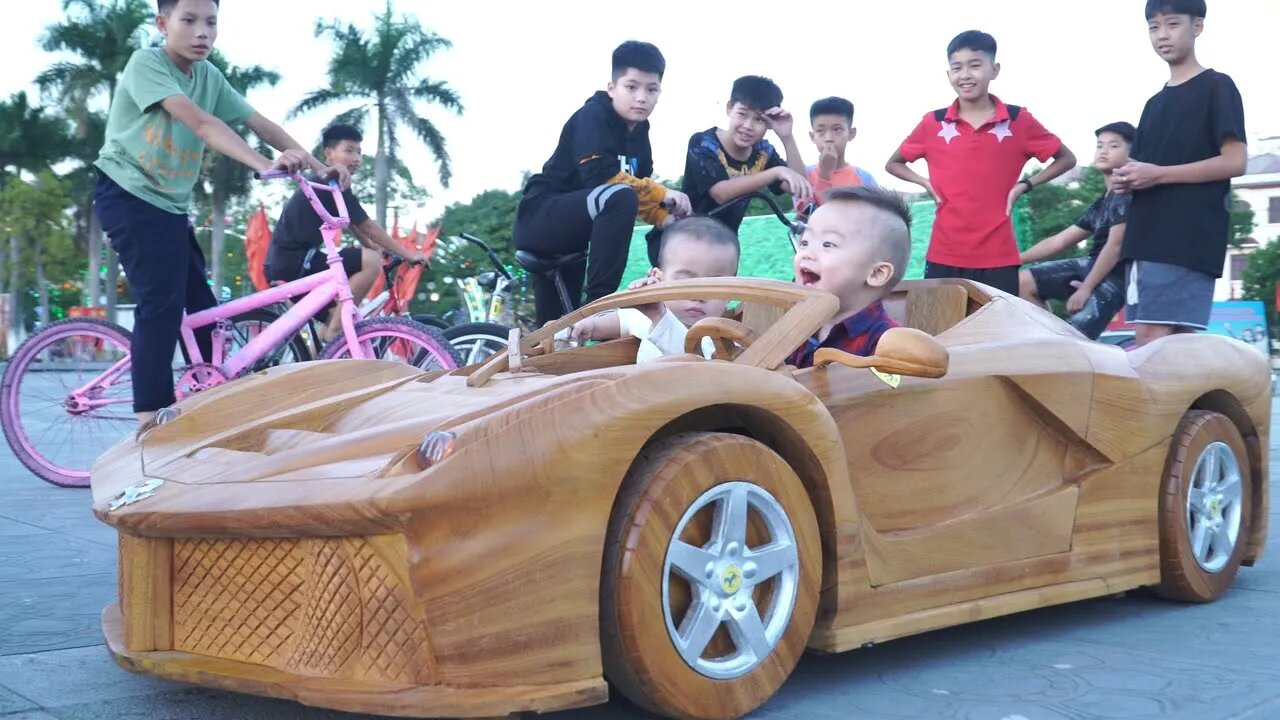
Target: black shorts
(1053, 282)
(314, 261)
(1001, 278)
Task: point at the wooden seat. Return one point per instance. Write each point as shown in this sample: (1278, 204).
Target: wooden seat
(937, 308)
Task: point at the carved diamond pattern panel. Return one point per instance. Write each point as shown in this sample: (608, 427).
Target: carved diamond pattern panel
(238, 599)
(331, 631)
(394, 641)
(325, 607)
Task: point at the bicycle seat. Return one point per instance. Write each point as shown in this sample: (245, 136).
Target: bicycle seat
(548, 264)
(487, 280)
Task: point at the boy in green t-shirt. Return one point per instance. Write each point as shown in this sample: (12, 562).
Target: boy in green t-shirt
(170, 102)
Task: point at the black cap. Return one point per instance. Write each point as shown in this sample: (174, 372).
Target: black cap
(1122, 128)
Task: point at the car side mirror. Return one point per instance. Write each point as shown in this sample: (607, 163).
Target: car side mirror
(901, 351)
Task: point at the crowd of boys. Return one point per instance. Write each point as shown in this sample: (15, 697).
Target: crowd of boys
(1159, 232)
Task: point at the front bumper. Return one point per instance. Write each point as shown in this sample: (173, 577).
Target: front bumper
(331, 622)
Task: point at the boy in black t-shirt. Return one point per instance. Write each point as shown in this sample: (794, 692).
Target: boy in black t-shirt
(725, 164)
(297, 250)
(1190, 143)
(595, 184)
(1092, 286)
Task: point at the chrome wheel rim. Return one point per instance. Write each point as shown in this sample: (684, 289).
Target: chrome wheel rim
(1214, 507)
(729, 581)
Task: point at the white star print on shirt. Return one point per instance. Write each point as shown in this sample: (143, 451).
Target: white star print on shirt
(1001, 130)
(948, 131)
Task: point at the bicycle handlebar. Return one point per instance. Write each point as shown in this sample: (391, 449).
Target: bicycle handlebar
(493, 257)
(309, 189)
(773, 205)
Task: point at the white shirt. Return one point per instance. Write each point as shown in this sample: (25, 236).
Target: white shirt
(666, 337)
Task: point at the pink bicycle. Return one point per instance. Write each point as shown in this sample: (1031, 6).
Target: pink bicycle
(66, 396)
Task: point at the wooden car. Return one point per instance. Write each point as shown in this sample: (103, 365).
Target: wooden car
(508, 537)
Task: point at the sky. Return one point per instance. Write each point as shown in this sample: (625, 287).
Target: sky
(522, 69)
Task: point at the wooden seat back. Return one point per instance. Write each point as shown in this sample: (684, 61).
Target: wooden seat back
(936, 308)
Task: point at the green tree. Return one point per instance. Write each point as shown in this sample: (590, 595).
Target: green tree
(1054, 207)
(226, 180)
(33, 215)
(30, 138)
(1262, 275)
(1241, 220)
(402, 191)
(102, 35)
(490, 216)
(381, 73)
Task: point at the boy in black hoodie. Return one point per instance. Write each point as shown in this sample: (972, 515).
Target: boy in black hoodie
(595, 184)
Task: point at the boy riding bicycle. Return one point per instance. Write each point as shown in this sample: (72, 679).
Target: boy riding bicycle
(296, 248)
(170, 103)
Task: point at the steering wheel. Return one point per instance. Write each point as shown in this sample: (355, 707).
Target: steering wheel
(722, 332)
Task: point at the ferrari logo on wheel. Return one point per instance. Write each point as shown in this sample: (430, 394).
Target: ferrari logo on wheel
(731, 579)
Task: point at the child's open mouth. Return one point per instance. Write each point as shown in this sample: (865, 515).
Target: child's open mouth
(809, 277)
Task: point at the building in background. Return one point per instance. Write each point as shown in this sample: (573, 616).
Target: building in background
(1259, 187)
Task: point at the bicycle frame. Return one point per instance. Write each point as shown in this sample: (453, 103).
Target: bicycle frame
(473, 295)
(320, 289)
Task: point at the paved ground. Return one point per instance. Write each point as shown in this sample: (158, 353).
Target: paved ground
(1132, 657)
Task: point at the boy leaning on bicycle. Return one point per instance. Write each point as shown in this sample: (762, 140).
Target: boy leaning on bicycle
(169, 104)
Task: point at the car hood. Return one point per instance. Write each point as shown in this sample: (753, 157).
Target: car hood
(326, 431)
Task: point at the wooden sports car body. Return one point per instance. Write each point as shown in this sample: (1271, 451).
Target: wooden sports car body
(686, 527)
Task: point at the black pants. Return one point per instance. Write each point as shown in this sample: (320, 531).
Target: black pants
(165, 268)
(599, 220)
(1001, 278)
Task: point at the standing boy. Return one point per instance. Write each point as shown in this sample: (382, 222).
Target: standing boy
(170, 103)
(976, 150)
(597, 181)
(1091, 286)
(831, 130)
(722, 165)
(1190, 143)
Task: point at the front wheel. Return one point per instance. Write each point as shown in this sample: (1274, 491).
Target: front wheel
(711, 577)
(67, 397)
(475, 342)
(397, 339)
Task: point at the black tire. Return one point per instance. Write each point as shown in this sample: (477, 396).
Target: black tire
(1183, 575)
(15, 420)
(433, 351)
(477, 341)
(296, 346)
(431, 321)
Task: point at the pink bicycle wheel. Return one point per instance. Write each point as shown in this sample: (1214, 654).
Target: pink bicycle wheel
(67, 397)
(398, 339)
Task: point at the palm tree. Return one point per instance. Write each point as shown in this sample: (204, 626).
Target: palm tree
(380, 73)
(31, 141)
(102, 36)
(228, 179)
(30, 138)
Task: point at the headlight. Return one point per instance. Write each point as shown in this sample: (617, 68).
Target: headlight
(436, 446)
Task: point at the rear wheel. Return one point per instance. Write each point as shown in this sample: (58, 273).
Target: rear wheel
(1204, 508)
(397, 339)
(475, 342)
(711, 577)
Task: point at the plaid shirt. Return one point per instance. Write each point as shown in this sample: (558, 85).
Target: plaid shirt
(857, 335)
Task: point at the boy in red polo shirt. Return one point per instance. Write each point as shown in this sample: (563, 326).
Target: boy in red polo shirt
(976, 150)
